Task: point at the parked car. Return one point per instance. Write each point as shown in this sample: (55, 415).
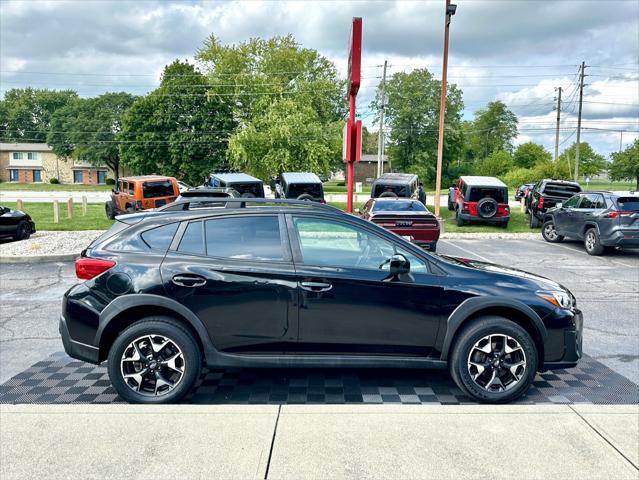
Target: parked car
(545, 195)
(480, 200)
(15, 224)
(201, 197)
(299, 186)
(408, 218)
(601, 219)
(132, 194)
(522, 190)
(246, 185)
(393, 185)
(292, 283)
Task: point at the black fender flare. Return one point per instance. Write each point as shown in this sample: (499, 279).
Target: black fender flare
(127, 302)
(587, 226)
(470, 306)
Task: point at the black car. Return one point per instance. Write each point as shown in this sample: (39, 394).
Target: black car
(545, 195)
(395, 185)
(15, 224)
(522, 189)
(277, 283)
(299, 186)
(601, 219)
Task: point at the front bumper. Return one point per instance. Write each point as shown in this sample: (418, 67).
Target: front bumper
(573, 345)
(75, 349)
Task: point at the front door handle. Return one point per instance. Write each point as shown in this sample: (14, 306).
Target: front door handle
(189, 280)
(316, 286)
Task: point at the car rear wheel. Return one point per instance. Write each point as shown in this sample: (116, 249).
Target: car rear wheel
(155, 360)
(593, 243)
(23, 230)
(549, 233)
(493, 360)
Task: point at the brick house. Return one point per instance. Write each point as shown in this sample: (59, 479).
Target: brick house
(366, 169)
(36, 163)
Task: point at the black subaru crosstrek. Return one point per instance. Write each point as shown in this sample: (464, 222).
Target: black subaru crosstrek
(285, 283)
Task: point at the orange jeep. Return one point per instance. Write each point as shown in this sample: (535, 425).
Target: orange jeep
(131, 194)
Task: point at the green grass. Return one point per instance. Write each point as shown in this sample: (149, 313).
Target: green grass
(42, 214)
(605, 185)
(50, 187)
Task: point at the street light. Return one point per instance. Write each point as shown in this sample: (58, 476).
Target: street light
(450, 11)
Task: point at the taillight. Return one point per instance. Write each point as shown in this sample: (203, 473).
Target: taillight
(541, 202)
(617, 214)
(88, 268)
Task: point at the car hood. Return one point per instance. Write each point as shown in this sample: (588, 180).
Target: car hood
(538, 281)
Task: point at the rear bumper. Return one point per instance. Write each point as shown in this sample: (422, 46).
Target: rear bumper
(620, 238)
(419, 236)
(467, 217)
(75, 349)
(573, 345)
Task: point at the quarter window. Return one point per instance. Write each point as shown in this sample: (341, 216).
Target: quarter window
(245, 238)
(193, 239)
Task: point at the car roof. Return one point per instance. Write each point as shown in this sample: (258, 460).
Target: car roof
(235, 177)
(566, 182)
(478, 181)
(396, 178)
(300, 177)
(146, 178)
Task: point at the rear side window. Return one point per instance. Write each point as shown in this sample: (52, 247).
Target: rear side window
(160, 238)
(628, 204)
(193, 239)
(592, 201)
(244, 238)
(162, 188)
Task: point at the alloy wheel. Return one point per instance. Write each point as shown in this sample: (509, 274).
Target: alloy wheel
(497, 363)
(152, 365)
(550, 231)
(590, 241)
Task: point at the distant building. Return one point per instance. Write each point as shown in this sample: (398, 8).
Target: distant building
(36, 163)
(366, 168)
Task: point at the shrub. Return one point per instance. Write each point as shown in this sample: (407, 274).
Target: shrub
(110, 181)
(519, 176)
(54, 181)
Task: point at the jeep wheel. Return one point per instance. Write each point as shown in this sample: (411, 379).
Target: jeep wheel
(155, 360)
(487, 207)
(549, 233)
(109, 209)
(493, 360)
(593, 243)
(533, 222)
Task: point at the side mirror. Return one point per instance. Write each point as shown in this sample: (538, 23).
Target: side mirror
(399, 265)
(559, 205)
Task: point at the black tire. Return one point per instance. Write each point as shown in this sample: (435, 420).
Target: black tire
(23, 230)
(306, 197)
(533, 221)
(472, 334)
(156, 326)
(433, 247)
(549, 233)
(592, 243)
(109, 209)
(504, 225)
(460, 221)
(487, 207)
(388, 195)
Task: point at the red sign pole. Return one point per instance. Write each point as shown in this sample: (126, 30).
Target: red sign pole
(354, 69)
(350, 161)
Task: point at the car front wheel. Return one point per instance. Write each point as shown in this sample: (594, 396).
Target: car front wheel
(155, 360)
(549, 232)
(494, 360)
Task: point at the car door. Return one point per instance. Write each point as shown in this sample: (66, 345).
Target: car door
(235, 272)
(348, 301)
(564, 217)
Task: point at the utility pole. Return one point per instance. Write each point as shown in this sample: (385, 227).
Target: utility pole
(380, 135)
(581, 98)
(558, 119)
(620, 140)
(450, 11)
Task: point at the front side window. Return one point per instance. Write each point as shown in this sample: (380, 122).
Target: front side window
(592, 201)
(333, 244)
(78, 176)
(37, 176)
(244, 238)
(572, 202)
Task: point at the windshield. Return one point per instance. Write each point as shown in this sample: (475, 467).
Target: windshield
(628, 204)
(399, 206)
(477, 193)
(162, 188)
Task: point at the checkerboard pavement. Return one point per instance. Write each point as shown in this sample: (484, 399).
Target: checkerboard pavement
(59, 379)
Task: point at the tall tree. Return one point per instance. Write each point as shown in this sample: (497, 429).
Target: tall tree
(26, 113)
(87, 129)
(283, 96)
(179, 129)
(590, 162)
(529, 154)
(494, 128)
(369, 141)
(412, 114)
(625, 164)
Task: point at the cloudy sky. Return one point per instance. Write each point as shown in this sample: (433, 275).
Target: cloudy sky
(517, 51)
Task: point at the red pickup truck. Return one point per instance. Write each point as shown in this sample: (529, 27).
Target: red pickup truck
(406, 217)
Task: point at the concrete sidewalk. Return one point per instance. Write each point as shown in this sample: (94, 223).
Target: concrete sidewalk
(320, 441)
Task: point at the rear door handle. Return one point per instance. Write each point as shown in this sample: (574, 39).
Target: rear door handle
(189, 280)
(316, 286)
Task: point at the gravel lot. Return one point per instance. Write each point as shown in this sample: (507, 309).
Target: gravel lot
(49, 243)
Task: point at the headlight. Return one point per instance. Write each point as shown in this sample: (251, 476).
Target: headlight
(558, 298)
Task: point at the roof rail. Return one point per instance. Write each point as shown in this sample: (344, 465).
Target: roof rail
(229, 202)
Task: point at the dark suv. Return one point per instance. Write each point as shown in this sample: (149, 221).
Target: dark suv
(479, 199)
(281, 283)
(393, 185)
(299, 186)
(600, 219)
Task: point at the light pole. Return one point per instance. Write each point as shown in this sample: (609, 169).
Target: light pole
(450, 11)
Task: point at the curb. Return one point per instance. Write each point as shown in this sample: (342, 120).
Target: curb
(67, 257)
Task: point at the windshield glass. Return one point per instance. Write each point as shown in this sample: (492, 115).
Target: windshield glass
(399, 206)
(477, 193)
(162, 188)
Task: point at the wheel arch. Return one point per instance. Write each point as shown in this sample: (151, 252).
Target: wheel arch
(126, 310)
(587, 226)
(513, 310)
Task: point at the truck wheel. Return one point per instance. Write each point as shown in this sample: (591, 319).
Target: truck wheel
(109, 209)
(155, 360)
(549, 233)
(593, 243)
(494, 360)
(534, 222)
